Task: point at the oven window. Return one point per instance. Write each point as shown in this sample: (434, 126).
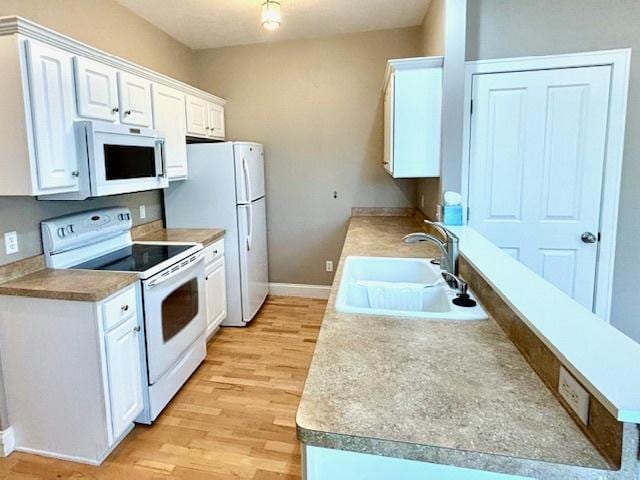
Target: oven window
(179, 308)
(124, 162)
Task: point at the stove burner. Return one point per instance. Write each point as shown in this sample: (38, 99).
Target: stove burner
(138, 257)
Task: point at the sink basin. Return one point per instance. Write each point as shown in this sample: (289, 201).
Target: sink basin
(403, 287)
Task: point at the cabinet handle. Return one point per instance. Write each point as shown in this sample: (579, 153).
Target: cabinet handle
(136, 329)
(115, 109)
(124, 308)
(75, 173)
(215, 252)
(127, 112)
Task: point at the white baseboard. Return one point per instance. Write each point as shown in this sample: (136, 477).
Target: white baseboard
(298, 290)
(7, 442)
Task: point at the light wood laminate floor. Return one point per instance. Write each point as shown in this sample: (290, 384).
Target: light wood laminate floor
(234, 419)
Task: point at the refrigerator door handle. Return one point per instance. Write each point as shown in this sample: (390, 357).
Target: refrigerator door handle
(247, 180)
(249, 229)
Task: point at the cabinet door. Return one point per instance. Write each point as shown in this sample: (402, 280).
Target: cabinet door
(169, 119)
(124, 377)
(216, 120)
(216, 295)
(389, 97)
(50, 72)
(197, 120)
(135, 100)
(97, 90)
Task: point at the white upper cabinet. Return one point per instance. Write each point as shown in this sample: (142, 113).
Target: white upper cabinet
(197, 119)
(169, 119)
(96, 90)
(49, 82)
(412, 117)
(52, 113)
(216, 120)
(204, 119)
(135, 100)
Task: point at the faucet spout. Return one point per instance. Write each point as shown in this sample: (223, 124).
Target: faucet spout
(448, 247)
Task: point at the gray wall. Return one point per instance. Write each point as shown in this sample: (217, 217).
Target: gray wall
(24, 214)
(507, 28)
(317, 107)
(433, 38)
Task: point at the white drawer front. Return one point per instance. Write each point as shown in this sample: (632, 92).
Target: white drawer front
(214, 251)
(119, 308)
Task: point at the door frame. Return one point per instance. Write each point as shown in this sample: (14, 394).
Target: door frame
(620, 61)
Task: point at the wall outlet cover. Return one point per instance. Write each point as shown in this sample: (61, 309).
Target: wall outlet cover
(11, 242)
(143, 211)
(575, 394)
(329, 266)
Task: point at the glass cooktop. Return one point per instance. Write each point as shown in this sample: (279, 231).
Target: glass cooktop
(138, 257)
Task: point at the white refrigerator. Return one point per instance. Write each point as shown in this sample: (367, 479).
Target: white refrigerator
(225, 189)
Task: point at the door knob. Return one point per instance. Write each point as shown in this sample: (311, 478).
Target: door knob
(588, 237)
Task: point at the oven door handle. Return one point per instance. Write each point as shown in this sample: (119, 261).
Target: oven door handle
(193, 261)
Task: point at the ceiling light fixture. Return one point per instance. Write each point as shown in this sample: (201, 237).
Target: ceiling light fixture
(271, 16)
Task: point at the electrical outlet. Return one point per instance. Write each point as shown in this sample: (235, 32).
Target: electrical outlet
(575, 395)
(329, 266)
(143, 211)
(11, 242)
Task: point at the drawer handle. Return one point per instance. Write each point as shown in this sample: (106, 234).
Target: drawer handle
(215, 252)
(124, 308)
(136, 329)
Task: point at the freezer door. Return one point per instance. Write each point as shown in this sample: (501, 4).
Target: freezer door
(249, 163)
(254, 270)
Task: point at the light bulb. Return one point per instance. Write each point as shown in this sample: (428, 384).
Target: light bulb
(271, 16)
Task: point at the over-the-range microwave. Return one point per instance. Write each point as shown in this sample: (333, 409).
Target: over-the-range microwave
(115, 158)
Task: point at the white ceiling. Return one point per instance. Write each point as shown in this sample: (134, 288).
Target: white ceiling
(218, 23)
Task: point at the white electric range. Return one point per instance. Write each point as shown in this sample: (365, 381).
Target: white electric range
(172, 277)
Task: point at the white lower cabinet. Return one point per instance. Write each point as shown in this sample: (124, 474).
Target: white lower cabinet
(124, 374)
(216, 286)
(72, 373)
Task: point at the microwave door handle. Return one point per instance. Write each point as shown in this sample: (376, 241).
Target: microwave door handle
(161, 170)
(247, 180)
(178, 271)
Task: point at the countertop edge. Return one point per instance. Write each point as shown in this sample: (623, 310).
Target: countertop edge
(473, 460)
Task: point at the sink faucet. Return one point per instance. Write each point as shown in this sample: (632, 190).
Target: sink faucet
(448, 247)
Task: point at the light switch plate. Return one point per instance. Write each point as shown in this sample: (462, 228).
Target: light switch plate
(329, 266)
(575, 395)
(143, 211)
(11, 242)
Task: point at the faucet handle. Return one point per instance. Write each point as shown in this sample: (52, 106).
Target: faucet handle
(460, 284)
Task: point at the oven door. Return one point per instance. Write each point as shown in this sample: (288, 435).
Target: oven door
(124, 159)
(174, 313)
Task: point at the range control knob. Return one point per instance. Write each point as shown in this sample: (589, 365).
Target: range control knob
(70, 228)
(61, 232)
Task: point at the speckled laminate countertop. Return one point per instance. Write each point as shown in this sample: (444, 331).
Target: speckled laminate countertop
(456, 393)
(93, 286)
(79, 285)
(205, 236)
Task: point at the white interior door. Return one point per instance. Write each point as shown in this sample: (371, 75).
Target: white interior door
(535, 177)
